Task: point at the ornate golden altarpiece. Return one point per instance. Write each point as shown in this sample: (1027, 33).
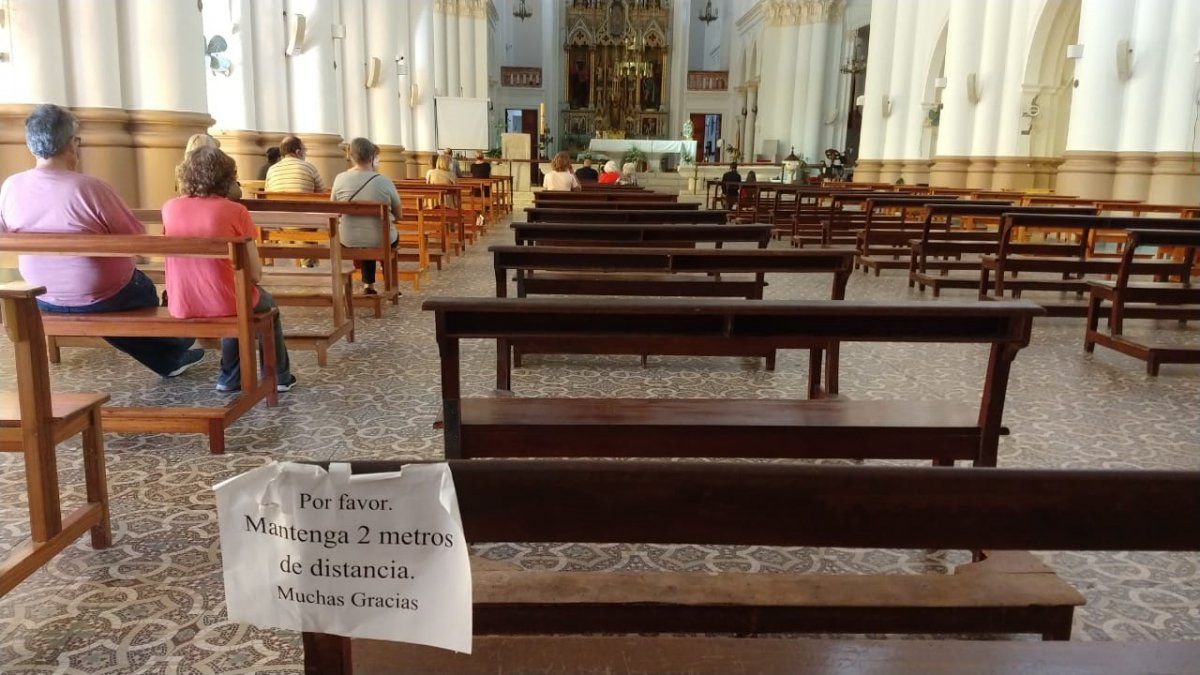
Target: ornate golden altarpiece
(615, 70)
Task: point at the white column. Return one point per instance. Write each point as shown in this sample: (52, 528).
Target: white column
(1096, 103)
(314, 84)
(34, 71)
(165, 71)
(800, 73)
(422, 24)
(813, 113)
(879, 73)
(386, 22)
(677, 70)
(783, 52)
(1144, 94)
(467, 49)
(1177, 103)
(354, 70)
(483, 55)
(95, 68)
(748, 152)
(990, 76)
(231, 97)
(1008, 134)
(963, 38)
(271, 77)
(453, 56)
(440, 59)
(903, 100)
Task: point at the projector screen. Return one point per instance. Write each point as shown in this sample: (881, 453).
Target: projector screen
(462, 123)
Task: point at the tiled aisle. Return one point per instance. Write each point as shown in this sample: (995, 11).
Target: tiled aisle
(153, 602)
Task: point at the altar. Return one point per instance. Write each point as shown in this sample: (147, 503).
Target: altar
(615, 148)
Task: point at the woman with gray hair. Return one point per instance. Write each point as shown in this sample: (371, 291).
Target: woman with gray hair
(362, 182)
(611, 173)
(197, 141)
(54, 198)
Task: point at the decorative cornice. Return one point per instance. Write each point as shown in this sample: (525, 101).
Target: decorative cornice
(477, 9)
(801, 12)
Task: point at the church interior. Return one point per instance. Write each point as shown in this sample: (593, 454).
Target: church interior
(829, 336)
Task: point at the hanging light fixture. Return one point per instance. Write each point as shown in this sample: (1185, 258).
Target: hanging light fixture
(709, 15)
(521, 11)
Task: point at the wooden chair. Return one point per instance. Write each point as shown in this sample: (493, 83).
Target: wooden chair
(1163, 299)
(561, 621)
(33, 421)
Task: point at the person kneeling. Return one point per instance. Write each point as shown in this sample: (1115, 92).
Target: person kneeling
(204, 287)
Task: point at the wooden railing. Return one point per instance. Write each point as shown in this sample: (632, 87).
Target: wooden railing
(511, 76)
(708, 80)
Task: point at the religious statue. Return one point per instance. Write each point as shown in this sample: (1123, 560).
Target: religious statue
(687, 129)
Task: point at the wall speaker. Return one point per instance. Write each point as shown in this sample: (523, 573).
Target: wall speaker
(297, 27)
(374, 70)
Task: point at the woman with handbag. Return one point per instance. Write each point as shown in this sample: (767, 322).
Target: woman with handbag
(363, 183)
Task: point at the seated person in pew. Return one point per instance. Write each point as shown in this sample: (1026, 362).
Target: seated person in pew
(440, 174)
(293, 173)
(628, 174)
(481, 168)
(611, 173)
(363, 183)
(586, 173)
(53, 198)
(272, 160)
(200, 287)
(198, 141)
(730, 184)
(559, 178)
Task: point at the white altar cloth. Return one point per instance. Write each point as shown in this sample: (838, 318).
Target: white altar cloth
(654, 149)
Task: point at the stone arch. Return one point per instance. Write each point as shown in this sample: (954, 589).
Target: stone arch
(1049, 78)
(932, 98)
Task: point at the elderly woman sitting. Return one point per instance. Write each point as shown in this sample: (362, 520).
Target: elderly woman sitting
(611, 173)
(628, 174)
(363, 183)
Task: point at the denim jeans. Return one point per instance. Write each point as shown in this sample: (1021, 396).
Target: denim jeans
(162, 355)
(231, 371)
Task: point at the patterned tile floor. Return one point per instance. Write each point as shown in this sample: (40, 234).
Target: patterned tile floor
(154, 601)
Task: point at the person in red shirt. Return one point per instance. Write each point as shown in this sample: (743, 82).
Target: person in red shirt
(611, 173)
(204, 287)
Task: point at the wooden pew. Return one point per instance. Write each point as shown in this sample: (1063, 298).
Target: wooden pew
(945, 247)
(546, 197)
(843, 215)
(663, 272)
(382, 253)
(299, 287)
(33, 422)
(888, 227)
(1070, 261)
(943, 431)
(639, 215)
(452, 209)
(248, 326)
(613, 205)
(1160, 299)
(672, 235)
(621, 621)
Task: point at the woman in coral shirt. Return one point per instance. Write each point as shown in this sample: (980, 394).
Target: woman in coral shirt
(204, 287)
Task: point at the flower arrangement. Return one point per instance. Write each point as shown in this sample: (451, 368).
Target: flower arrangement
(636, 156)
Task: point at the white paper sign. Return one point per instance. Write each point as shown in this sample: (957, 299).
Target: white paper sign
(374, 556)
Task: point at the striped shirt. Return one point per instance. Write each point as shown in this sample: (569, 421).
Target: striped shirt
(292, 174)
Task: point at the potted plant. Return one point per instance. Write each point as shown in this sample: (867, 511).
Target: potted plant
(637, 157)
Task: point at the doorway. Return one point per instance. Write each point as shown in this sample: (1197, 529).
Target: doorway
(706, 131)
(525, 121)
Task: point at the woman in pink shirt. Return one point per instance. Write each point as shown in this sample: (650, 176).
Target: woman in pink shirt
(204, 287)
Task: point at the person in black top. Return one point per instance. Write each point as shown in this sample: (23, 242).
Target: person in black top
(481, 168)
(730, 182)
(272, 157)
(586, 173)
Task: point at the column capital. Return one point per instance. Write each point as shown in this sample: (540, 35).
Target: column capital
(800, 12)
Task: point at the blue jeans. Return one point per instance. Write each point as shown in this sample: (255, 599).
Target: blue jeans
(231, 371)
(162, 355)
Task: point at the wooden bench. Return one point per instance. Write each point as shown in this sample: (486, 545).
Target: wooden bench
(250, 328)
(946, 246)
(546, 197)
(670, 235)
(448, 211)
(1164, 299)
(382, 253)
(33, 422)
(561, 619)
(941, 431)
(663, 272)
(569, 215)
(299, 287)
(839, 223)
(889, 226)
(1070, 261)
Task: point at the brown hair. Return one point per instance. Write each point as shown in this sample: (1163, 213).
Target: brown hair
(207, 172)
(443, 162)
(290, 145)
(561, 162)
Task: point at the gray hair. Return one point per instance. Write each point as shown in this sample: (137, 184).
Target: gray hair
(362, 150)
(49, 130)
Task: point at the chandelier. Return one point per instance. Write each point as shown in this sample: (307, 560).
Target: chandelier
(709, 15)
(521, 11)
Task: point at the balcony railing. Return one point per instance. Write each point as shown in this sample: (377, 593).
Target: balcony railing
(708, 80)
(520, 77)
